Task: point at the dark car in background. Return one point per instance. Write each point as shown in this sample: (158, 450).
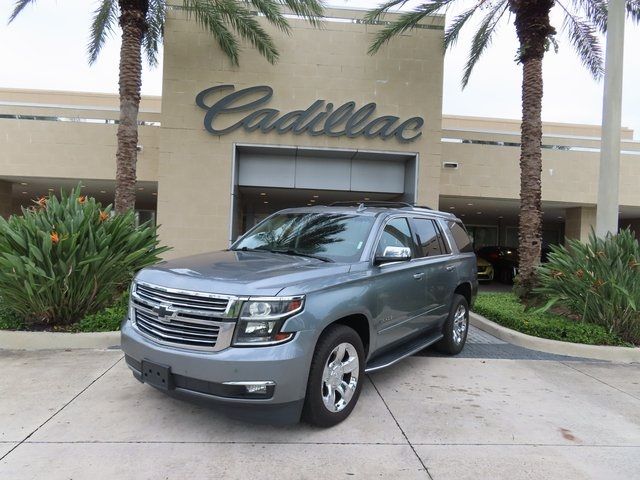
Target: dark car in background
(505, 261)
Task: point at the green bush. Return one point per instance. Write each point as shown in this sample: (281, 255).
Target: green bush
(106, 320)
(65, 259)
(506, 309)
(598, 281)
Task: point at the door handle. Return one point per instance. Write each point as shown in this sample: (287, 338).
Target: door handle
(418, 276)
(450, 268)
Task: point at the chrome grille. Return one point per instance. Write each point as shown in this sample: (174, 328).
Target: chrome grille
(185, 300)
(181, 318)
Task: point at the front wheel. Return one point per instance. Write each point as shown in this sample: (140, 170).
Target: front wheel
(456, 327)
(335, 377)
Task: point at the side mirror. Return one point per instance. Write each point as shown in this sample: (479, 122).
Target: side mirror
(393, 254)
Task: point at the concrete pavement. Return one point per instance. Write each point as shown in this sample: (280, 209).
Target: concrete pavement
(80, 414)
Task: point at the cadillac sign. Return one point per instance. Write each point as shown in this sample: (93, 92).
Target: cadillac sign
(321, 118)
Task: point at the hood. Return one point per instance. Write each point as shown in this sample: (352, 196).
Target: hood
(239, 273)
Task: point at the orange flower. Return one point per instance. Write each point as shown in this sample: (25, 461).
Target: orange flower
(42, 202)
(82, 199)
(54, 237)
(103, 216)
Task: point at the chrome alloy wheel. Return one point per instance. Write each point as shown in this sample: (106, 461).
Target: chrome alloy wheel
(459, 323)
(340, 377)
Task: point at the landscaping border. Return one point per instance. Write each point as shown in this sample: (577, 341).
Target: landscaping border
(597, 352)
(17, 340)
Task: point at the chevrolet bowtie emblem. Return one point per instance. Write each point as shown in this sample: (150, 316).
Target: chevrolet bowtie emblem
(164, 313)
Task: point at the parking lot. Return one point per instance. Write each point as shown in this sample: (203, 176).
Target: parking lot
(497, 411)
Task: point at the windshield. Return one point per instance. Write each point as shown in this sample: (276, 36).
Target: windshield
(327, 236)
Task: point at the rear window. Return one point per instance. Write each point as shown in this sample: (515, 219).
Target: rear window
(429, 237)
(460, 236)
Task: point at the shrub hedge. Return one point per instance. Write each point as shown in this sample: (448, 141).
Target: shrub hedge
(506, 310)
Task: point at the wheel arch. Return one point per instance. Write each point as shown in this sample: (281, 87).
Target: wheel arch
(358, 322)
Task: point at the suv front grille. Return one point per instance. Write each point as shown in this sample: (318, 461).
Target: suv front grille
(182, 318)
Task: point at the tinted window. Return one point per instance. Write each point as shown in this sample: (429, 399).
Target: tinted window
(338, 237)
(396, 234)
(460, 237)
(428, 237)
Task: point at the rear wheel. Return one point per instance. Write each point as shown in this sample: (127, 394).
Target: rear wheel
(335, 377)
(456, 327)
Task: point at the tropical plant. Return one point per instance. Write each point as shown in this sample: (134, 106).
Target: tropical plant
(582, 20)
(65, 258)
(598, 281)
(142, 24)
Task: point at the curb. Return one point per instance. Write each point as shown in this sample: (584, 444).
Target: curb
(596, 352)
(13, 340)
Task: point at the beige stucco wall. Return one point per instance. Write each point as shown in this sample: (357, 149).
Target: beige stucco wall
(81, 146)
(195, 168)
(579, 221)
(493, 171)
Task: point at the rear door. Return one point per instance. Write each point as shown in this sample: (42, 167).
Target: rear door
(436, 262)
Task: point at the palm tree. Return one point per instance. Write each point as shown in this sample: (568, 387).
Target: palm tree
(142, 24)
(583, 19)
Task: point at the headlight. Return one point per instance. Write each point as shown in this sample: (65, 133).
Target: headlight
(261, 319)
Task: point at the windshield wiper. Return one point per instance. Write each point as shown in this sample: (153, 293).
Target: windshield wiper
(300, 254)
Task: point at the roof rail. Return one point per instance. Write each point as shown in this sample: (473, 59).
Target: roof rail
(378, 204)
(371, 203)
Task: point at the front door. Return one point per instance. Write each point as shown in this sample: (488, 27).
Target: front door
(399, 286)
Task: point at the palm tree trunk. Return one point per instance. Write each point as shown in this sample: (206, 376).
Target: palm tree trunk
(533, 29)
(530, 231)
(133, 23)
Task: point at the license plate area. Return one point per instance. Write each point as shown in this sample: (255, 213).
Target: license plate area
(157, 375)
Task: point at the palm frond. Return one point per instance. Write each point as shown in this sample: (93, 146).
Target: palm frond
(311, 10)
(271, 11)
(582, 35)
(155, 30)
(216, 16)
(104, 19)
(452, 32)
(483, 36)
(19, 6)
(595, 11)
(406, 21)
(633, 10)
(375, 14)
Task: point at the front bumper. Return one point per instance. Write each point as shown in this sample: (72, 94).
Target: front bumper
(205, 376)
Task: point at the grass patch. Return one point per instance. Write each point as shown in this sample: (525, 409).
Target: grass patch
(506, 310)
(8, 319)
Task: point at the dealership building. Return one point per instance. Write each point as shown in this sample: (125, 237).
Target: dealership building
(225, 146)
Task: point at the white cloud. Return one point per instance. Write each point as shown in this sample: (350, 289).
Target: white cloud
(46, 48)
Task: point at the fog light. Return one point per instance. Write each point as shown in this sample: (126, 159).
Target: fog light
(253, 389)
(261, 389)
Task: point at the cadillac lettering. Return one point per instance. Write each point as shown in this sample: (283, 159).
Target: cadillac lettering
(320, 118)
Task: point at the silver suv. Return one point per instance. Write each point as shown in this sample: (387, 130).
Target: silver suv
(287, 321)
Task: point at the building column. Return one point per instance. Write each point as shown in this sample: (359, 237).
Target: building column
(579, 222)
(5, 199)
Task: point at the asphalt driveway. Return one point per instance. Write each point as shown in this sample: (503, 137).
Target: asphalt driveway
(80, 414)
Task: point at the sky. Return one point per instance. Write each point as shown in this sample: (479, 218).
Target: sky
(45, 48)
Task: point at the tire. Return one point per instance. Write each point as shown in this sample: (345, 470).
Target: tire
(326, 374)
(455, 329)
